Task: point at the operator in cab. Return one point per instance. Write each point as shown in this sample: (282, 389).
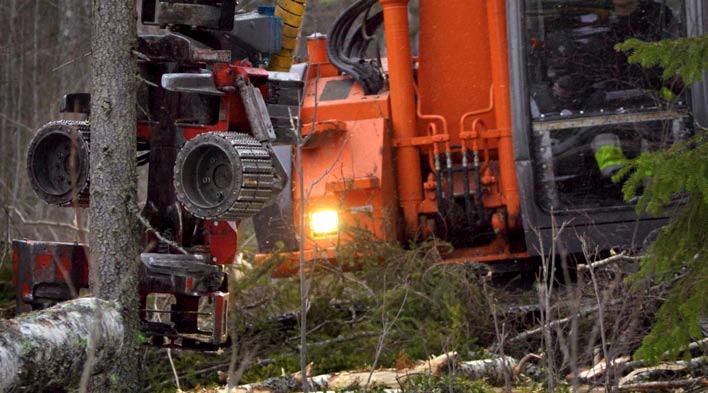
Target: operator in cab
(625, 84)
(588, 76)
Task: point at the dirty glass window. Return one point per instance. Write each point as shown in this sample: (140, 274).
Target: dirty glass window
(573, 68)
(574, 166)
(591, 110)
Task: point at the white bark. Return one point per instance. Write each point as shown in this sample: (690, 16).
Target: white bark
(490, 369)
(48, 349)
(494, 369)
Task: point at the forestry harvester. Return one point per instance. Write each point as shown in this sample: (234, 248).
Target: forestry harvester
(487, 127)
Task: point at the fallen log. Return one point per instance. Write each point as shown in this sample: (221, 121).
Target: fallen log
(664, 385)
(624, 364)
(493, 369)
(388, 378)
(48, 349)
(382, 390)
(598, 370)
(665, 370)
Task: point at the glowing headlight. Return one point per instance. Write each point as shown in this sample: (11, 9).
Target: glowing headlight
(324, 222)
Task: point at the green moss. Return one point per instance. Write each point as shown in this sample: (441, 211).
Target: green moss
(372, 389)
(282, 362)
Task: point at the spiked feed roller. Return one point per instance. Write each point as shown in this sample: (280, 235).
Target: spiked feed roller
(58, 163)
(224, 175)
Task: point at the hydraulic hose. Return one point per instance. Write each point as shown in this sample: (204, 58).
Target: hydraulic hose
(347, 50)
(292, 13)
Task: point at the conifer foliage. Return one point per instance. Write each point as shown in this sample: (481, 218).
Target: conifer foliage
(676, 177)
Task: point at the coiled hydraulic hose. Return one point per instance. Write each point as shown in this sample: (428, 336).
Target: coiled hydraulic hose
(291, 12)
(347, 50)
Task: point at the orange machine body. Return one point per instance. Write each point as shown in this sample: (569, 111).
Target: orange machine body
(463, 78)
(464, 97)
(347, 160)
(371, 157)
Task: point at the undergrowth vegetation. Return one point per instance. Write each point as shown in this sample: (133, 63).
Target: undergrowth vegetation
(380, 314)
(410, 307)
(398, 306)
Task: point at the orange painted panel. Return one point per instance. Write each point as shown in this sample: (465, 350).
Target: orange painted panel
(352, 174)
(455, 69)
(354, 106)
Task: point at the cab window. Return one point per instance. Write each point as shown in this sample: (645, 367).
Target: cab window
(591, 110)
(573, 68)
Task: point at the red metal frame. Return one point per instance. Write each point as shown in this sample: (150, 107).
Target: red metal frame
(46, 272)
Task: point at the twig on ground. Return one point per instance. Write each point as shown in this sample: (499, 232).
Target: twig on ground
(622, 257)
(147, 82)
(581, 313)
(600, 314)
(519, 368)
(174, 370)
(382, 339)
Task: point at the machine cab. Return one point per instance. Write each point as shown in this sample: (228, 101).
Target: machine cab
(586, 110)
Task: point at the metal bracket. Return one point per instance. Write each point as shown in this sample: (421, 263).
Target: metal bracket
(191, 83)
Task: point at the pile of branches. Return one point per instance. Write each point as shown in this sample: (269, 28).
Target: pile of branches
(639, 375)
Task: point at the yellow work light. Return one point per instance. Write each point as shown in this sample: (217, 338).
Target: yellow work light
(324, 222)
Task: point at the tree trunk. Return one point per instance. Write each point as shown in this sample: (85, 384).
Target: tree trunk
(47, 349)
(114, 226)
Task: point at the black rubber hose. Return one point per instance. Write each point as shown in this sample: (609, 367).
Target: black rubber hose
(365, 72)
(450, 184)
(439, 185)
(359, 42)
(468, 196)
(478, 192)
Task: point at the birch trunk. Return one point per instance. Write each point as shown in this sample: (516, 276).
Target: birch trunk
(44, 350)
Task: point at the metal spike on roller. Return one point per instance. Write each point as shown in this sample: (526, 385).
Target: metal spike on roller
(224, 175)
(58, 163)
